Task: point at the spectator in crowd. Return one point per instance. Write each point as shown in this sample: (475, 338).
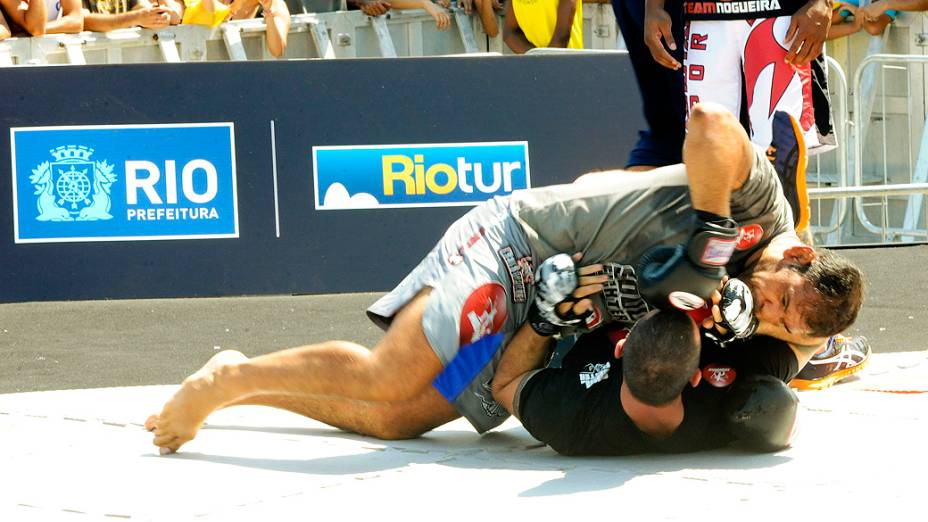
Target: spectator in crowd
(63, 16)
(210, 13)
(847, 19)
(102, 16)
(486, 10)
(543, 23)
(882, 12)
(276, 18)
(381, 7)
(24, 17)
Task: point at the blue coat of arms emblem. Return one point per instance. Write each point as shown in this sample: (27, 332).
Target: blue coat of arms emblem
(73, 187)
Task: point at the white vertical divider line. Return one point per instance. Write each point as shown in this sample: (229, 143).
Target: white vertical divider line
(274, 168)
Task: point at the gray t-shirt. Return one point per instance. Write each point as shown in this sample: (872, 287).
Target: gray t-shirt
(617, 217)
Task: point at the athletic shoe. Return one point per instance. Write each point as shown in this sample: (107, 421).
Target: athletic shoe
(787, 152)
(844, 357)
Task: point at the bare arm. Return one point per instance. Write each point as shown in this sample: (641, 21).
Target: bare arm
(4, 27)
(32, 19)
(847, 27)
(71, 20)
(277, 19)
(512, 33)
(566, 9)
(150, 17)
(526, 351)
(442, 19)
(877, 8)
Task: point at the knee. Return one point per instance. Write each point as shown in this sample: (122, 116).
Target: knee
(393, 424)
(707, 118)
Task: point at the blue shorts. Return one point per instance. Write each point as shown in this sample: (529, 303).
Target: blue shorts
(661, 88)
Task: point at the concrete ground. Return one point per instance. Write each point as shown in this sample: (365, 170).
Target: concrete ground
(78, 379)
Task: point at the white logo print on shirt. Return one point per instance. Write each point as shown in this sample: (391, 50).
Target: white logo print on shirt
(594, 373)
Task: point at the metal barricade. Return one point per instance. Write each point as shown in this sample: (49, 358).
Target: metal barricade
(899, 219)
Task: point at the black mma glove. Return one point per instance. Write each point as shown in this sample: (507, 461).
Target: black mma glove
(737, 308)
(684, 276)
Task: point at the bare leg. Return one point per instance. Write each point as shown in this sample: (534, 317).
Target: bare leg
(718, 156)
(399, 368)
(384, 420)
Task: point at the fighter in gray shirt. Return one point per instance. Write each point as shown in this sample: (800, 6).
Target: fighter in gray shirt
(450, 319)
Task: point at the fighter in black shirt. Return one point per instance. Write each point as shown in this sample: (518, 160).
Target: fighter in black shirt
(588, 407)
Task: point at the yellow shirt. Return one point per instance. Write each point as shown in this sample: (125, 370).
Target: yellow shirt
(197, 15)
(537, 18)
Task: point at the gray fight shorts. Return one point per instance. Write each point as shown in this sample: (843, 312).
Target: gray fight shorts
(481, 275)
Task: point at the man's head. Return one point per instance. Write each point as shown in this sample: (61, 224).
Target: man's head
(660, 356)
(806, 296)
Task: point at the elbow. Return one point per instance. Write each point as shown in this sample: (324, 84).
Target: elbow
(277, 50)
(35, 27)
(560, 41)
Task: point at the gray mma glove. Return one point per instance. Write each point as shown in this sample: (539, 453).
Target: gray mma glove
(737, 308)
(555, 281)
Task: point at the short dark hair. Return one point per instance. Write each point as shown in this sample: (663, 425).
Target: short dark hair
(660, 355)
(840, 288)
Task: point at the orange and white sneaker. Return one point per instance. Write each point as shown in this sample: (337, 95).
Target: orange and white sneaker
(843, 357)
(787, 153)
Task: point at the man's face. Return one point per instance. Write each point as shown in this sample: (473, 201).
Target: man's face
(782, 298)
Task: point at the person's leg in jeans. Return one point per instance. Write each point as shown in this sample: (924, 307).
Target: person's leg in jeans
(661, 88)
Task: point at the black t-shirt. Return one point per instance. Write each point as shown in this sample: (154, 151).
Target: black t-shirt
(739, 9)
(575, 409)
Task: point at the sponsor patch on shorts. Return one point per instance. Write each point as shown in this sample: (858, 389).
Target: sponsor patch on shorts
(719, 375)
(483, 314)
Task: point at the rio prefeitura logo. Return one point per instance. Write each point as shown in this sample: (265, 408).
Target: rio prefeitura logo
(73, 187)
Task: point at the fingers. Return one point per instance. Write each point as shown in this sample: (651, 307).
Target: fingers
(590, 269)
(577, 307)
(794, 50)
(793, 29)
(717, 317)
(587, 290)
(668, 37)
(659, 53)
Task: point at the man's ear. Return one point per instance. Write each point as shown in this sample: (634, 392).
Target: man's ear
(801, 254)
(619, 348)
(696, 377)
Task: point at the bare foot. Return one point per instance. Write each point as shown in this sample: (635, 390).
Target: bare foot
(198, 396)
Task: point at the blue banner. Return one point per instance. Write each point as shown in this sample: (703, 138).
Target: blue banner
(124, 182)
(428, 175)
